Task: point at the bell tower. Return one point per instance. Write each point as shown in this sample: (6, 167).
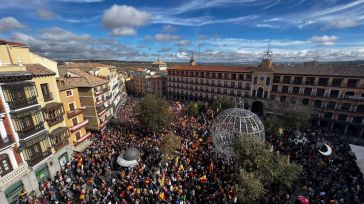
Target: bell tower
(192, 61)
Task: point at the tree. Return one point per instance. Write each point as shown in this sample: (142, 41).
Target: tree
(154, 113)
(261, 166)
(251, 189)
(169, 144)
(287, 116)
(222, 103)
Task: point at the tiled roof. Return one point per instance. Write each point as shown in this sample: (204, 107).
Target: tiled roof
(83, 65)
(211, 68)
(85, 79)
(38, 70)
(69, 83)
(3, 42)
(322, 70)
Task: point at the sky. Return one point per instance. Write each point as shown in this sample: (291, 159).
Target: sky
(236, 31)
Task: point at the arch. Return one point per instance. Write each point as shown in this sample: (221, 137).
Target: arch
(260, 92)
(5, 164)
(258, 108)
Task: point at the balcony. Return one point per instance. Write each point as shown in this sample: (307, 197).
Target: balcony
(30, 130)
(32, 161)
(59, 145)
(75, 112)
(78, 126)
(6, 144)
(83, 138)
(48, 97)
(54, 120)
(59, 137)
(22, 102)
(98, 92)
(14, 175)
(98, 102)
(103, 123)
(108, 97)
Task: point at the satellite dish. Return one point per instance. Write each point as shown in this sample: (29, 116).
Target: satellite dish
(327, 152)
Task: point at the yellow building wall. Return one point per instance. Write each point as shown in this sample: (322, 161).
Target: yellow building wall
(88, 99)
(50, 64)
(21, 52)
(4, 55)
(66, 100)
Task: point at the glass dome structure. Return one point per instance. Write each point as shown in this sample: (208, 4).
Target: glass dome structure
(232, 123)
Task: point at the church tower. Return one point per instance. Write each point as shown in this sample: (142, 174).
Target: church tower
(192, 61)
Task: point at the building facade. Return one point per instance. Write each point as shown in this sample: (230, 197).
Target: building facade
(95, 96)
(33, 118)
(336, 92)
(75, 119)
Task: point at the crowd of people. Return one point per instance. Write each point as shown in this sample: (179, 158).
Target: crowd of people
(193, 172)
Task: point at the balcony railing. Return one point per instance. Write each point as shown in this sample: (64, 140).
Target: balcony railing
(14, 175)
(38, 158)
(23, 102)
(75, 112)
(48, 97)
(61, 144)
(54, 120)
(103, 123)
(98, 92)
(78, 126)
(30, 130)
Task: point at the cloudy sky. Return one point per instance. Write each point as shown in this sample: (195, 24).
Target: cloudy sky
(215, 30)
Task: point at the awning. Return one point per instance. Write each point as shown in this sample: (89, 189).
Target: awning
(84, 145)
(58, 131)
(84, 137)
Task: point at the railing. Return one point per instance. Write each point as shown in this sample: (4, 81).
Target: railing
(48, 97)
(75, 112)
(23, 102)
(38, 158)
(14, 175)
(61, 144)
(55, 120)
(78, 126)
(25, 132)
(98, 92)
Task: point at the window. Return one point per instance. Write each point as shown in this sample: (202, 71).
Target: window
(342, 117)
(74, 121)
(287, 79)
(5, 165)
(323, 81)
(45, 91)
(334, 93)
(358, 119)
(293, 100)
(297, 80)
(274, 88)
(296, 90)
(276, 79)
(331, 104)
(68, 92)
(220, 76)
(345, 106)
(71, 106)
(352, 83)
(284, 89)
(360, 108)
(233, 76)
(310, 80)
(336, 82)
(241, 76)
(255, 80)
(307, 91)
(267, 82)
(320, 92)
(317, 103)
(78, 135)
(349, 93)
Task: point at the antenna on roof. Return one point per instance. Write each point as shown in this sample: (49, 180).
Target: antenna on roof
(268, 53)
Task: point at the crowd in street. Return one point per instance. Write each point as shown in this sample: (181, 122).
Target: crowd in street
(193, 173)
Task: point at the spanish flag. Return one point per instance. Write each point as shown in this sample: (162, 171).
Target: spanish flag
(203, 179)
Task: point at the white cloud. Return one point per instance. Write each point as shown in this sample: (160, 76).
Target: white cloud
(9, 23)
(82, 1)
(183, 43)
(343, 23)
(45, 14)
(124, 18)
(324, 40)
(165, 49)
(57, 43)
(166, 37)
(168, 29)
(123, 32)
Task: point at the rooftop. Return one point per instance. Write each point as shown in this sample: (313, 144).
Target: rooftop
(84, 79)
(322, 70)
(39, 70)
(88, 65)
(3, 42)
(213, 68)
